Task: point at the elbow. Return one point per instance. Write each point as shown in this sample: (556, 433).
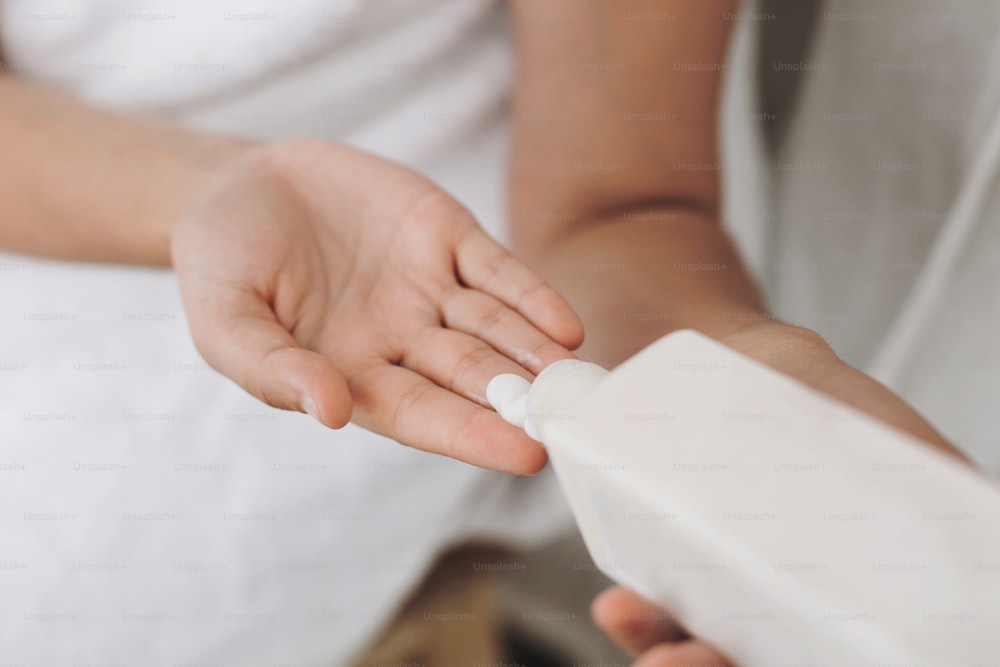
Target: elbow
(535, 234)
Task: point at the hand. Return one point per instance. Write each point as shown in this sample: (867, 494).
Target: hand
(646, 630)
(650, 633)
(324, 279)
(804, 355)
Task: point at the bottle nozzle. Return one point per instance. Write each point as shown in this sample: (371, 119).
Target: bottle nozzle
(532, 405)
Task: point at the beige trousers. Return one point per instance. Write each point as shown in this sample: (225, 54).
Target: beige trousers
(450, 621)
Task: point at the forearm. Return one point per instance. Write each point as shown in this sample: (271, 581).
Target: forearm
(633, 282)
(602, 201)
(80, 183)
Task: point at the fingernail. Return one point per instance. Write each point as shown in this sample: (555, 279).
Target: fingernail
(309, 407)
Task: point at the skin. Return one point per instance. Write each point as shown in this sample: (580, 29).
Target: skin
(647, 632)
(622, 240)
(610, 211)
(318, 277)
(304, 283)
(327, 280)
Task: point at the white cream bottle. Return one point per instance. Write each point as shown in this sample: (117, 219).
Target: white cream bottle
(781, 526)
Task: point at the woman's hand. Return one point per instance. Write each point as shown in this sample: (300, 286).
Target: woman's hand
(805, 356)
(649, 632)
(324, 279)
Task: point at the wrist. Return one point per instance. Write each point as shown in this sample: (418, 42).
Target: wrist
(203, 167)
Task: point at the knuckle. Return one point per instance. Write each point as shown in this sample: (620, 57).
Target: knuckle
(500, 262)
(468, 364)
(536, 287)
(466, 433)
(408, 401)
(491, 319)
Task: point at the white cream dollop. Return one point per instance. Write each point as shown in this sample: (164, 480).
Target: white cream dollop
(508, 394)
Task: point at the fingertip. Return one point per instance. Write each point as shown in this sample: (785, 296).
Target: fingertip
(335, 413)
(299, 379)
(568, 334)
(572, 335)
(327, 397)
(606, 608)
(525, 456)
(557, 319)
(342, 416)
(532, 460)
(508, 448)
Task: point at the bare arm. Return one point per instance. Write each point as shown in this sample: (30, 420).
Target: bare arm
(82, 183)
(615, 188)
(615, 194)
(318, 277)
(615, 199)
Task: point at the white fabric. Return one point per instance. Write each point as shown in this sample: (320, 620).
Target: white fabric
(149, 509)
(897, 100)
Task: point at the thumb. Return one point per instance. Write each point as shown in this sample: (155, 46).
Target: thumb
(634, 623)
(238, 334)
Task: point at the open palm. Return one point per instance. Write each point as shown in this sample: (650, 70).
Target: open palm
(327, 280)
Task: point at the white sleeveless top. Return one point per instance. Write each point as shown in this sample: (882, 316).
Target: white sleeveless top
(148, 507)
(885, 234)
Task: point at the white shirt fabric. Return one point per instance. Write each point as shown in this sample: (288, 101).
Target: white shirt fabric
(895, 105)
(150, 511)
